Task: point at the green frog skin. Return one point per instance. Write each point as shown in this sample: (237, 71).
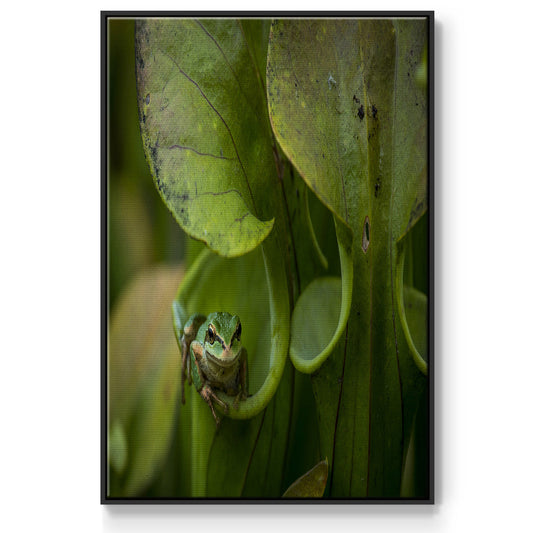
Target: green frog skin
(213, 358)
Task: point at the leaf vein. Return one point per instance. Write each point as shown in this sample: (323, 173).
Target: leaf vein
(174, 146)
(204, 96)
(227, 61)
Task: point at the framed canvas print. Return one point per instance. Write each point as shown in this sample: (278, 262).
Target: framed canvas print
(267, 257)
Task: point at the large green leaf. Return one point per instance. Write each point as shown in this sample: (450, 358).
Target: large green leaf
(346, 110)
(205, 128)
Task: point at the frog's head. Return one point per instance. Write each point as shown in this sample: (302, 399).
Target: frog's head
(223, 338)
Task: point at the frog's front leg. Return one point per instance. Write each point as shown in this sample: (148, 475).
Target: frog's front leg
(207, 393)
(189, 334)
(202, 384)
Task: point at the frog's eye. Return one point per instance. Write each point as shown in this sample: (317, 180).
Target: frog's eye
(237, 334)
(210, 334)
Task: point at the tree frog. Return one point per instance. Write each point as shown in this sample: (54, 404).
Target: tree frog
(214, 359)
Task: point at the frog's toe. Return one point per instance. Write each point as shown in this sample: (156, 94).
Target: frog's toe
(212, 396)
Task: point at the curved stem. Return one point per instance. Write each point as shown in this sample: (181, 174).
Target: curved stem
(314, 240)
(398, 281)
(345, 242)
(279, 324)
(279, 332)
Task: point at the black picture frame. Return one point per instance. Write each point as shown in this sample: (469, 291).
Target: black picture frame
(105, 17)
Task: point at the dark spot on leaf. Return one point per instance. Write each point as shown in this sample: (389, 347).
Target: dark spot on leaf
(377, 186)
(355, 99)
(161, 184)
(374, 111)
(144, 118)
(148, 99)
(361, 113)
(365, 242)
(323, 156)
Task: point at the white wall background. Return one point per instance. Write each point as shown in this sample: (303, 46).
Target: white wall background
(50, 237)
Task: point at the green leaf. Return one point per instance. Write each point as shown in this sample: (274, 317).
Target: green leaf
(312, 484)
(344, 106)
(264, 315)
(230, 456)
(346, 110)
(263, 312)
(143, 379)
(247, 456)
(205, 128)
(206, 132)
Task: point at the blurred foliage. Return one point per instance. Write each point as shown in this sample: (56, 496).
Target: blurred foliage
(355, 424)
(143, 379)
(141, 231)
